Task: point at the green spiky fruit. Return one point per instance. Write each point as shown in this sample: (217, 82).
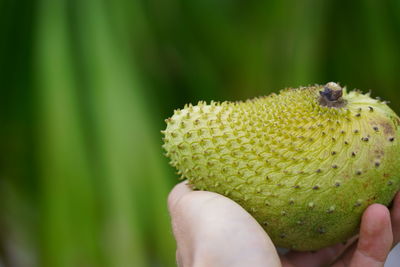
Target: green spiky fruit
(305, 163)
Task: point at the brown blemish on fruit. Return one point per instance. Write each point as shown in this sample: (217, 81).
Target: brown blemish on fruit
(379, 153)
(387, 128)
(397, 121)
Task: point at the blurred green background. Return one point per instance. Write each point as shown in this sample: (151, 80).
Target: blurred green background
(86, 86)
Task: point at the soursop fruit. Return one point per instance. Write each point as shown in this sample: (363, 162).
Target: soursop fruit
(305, 163)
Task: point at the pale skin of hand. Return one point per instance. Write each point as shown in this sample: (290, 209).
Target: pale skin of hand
(212, 230)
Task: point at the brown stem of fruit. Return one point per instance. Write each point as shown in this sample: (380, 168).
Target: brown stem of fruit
(332, 96)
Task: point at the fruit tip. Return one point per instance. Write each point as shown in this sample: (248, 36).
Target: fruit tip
(331, 96)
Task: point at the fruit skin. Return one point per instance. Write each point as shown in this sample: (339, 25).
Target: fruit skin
(305, 169)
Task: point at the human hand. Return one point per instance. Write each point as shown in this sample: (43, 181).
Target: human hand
(212, 230)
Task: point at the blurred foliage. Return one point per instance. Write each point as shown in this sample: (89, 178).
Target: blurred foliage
(86, 86)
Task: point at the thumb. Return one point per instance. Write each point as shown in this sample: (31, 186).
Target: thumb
(212, 230)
